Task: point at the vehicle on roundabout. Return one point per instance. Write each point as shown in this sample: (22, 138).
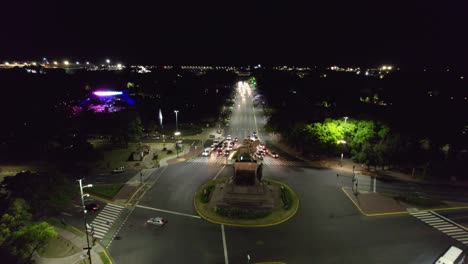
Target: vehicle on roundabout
(157, 221)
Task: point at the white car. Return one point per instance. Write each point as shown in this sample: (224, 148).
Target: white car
(119, 170)
(158, 221)
(229, 137)
(206, 152)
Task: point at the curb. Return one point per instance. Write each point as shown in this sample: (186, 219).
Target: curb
(370, 215)
(239, 225)
(399, 213)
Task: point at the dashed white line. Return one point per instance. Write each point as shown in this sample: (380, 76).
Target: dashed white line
(167, 211)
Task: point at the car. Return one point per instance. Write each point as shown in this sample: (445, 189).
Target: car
(119, 169)
(157, 221)
(273, 154)
(226, 153)
(229, 148)
(259, 155)
(236, 139)
(220, 152)
(228, 137)
(206, 152)
(92, 207)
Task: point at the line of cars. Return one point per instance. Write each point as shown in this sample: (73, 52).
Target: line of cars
(221, 146)
(262, 151)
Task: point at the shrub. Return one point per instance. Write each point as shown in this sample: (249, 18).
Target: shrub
(286, 198)
(169, 152)
(164, 149)
(205, 195)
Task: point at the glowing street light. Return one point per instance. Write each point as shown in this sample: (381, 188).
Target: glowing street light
(55, 63)
(107, 61)
(84, 213)
(176, 123)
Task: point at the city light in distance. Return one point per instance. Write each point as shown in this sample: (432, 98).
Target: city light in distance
(66, 62)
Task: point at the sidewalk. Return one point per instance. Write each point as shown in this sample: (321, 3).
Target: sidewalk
(77, 241)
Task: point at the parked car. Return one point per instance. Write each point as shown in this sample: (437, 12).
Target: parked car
(236, 139)
(227, 152)
(157, 221)
(93, 207)
(119, 169)
(228, 137)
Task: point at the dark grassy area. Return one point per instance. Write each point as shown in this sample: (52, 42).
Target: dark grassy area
(107, 191)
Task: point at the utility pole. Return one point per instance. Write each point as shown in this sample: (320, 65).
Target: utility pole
(84, 216)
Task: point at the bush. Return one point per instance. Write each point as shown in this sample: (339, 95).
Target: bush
(169, 152)
(240, 213)
(286, 198)
(164, 149)
(205, 195)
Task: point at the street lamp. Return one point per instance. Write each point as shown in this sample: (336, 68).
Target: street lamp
(177, 133)
(176, 123)
(343, 141)
(84, 214)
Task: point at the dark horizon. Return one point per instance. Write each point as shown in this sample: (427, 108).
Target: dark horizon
(408, 35)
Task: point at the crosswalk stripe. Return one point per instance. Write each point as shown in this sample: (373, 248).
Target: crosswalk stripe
(428, 218)
(421, 213)
(445, 224)
(115, 205)
(465, 242)
(461, 235)
(101, 229)
(110, 214)
(101, 221)
(112, 209)
(105, 219)
(445, 228)
(454, 232)
(433, 221)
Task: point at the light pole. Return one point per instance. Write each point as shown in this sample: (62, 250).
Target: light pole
(343, 141)
(177, 133)
(84, 215)
(176, 124)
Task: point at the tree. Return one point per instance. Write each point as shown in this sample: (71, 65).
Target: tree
(16, 216)
(47, 193)
(19, 235)
(135, 129)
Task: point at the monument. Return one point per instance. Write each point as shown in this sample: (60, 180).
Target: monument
(245, 188)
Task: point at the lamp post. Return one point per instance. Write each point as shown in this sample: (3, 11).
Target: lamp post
(176, 124)
(343, 141)
(177, 133)
(84, 215)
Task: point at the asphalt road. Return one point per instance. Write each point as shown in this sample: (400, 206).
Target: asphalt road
(326, 229)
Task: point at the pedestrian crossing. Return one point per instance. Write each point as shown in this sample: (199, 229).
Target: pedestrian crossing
(440, 223)
(222, 160)
(104, 220)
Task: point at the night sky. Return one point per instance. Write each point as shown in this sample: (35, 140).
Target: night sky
(198, 32)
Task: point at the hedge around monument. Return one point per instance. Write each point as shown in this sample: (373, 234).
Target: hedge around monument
(247, 219)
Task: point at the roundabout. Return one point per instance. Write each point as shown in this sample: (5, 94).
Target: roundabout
(287, 200)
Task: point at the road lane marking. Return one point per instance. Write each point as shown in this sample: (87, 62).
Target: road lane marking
(216, 176)
(462, 227)
(167, 211)
(226, 260)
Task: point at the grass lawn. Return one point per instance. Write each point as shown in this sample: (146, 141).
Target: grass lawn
(276, 217)
(58, 247)
(57, 223)
(114, 156)
(107, 191)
